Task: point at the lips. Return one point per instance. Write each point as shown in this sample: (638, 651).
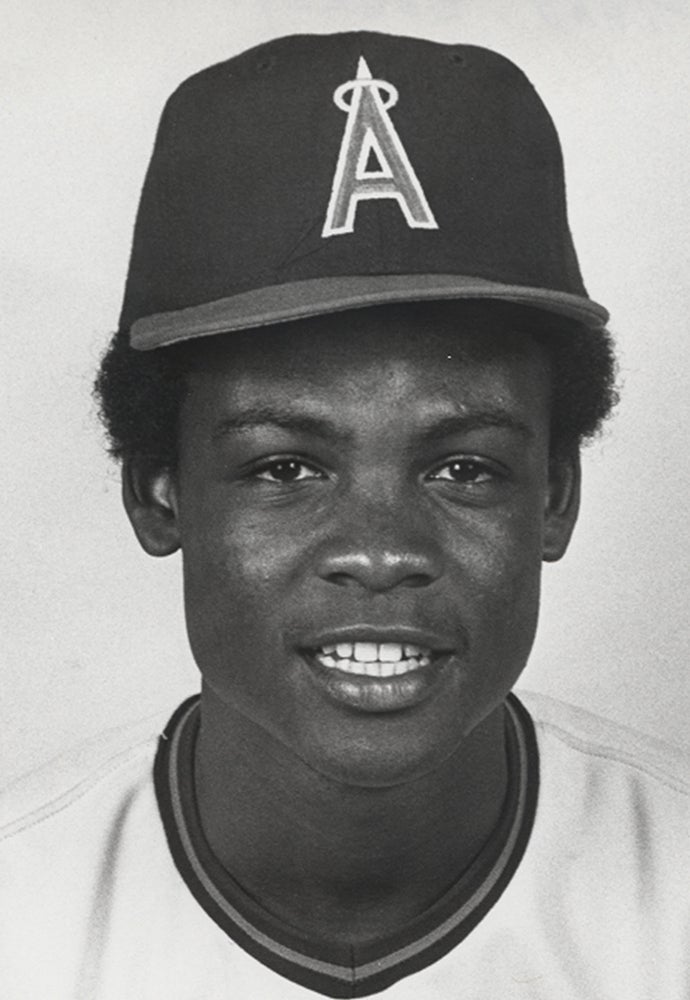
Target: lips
(377, 670)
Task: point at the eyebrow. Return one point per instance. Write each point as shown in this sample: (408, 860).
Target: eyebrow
(462, 423)
(300, 422)
(270, 416)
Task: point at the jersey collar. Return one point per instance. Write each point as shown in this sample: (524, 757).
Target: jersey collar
(338, 970)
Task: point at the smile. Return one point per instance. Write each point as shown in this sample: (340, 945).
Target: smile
(378, 669)
(373, 659)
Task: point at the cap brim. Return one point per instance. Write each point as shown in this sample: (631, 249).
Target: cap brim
(320, 296)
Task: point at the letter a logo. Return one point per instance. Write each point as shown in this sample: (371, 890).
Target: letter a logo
(370, 134)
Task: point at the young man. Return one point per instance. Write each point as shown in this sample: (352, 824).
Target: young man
(354, 367)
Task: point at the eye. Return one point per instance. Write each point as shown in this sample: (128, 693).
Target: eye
(287, 470)
(465, 472)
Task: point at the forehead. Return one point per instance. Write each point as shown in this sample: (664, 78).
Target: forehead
(382, 377)
(423, 350)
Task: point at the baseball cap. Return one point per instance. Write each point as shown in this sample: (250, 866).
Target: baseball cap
(319, 173)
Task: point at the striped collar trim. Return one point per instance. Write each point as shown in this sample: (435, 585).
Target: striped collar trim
(336, 970)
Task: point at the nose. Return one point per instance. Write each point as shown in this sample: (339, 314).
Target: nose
(381, 549)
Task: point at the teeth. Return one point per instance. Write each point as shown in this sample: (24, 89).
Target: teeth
(412, 650)
(390, 652)
(366, 652)
(372, 659)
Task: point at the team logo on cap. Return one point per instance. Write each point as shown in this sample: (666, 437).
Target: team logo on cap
(370, 136)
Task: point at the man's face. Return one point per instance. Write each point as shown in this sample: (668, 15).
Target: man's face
(362, 503)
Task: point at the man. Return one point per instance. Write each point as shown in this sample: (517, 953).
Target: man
(354, 367)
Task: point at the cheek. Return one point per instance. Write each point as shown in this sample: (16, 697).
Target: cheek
(229, 538)
(235, 582)
(501, 566)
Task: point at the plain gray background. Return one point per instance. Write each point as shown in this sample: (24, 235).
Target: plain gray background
(92, 629)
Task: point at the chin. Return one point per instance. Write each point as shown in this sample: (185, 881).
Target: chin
(379, 761)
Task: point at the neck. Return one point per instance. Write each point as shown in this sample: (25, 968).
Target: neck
(360, 861)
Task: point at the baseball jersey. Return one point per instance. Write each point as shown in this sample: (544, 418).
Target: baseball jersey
(110, 891)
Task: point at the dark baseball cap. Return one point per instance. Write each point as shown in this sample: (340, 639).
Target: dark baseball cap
(318, 173)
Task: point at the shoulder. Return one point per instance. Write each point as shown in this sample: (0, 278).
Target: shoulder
(600, 891)
(105, 764)
(609, 791)
(82, 855)
(590, 737)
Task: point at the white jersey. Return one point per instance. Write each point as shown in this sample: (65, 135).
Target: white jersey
(109, 892)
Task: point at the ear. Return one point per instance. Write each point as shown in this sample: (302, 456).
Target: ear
(150, 499)
(562, 505)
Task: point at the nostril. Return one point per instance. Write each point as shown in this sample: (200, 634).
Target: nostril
(341, 579)
(416, 580)
(378, 567)
(377, 576)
